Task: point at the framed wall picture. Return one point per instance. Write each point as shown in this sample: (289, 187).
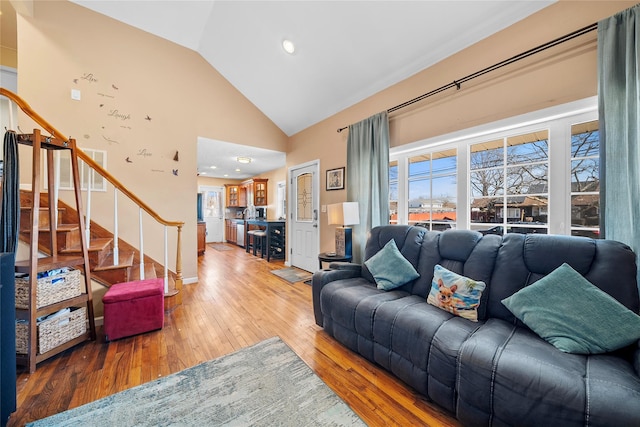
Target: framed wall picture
(335, 179)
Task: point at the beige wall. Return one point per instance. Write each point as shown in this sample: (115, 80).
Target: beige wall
(187, 98)
(138, 75)
(8, 57)
(563, 74)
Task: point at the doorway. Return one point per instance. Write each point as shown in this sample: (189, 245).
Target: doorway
(304, 196)
(212, 212)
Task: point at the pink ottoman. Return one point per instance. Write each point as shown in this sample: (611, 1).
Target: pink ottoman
(132, 308)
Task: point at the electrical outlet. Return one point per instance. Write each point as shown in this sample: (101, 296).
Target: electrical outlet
(75, 94)
(324, 208)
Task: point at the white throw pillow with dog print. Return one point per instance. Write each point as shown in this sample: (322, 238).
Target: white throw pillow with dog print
(454, 293)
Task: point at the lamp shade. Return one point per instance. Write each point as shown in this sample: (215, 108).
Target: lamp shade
(347, 213)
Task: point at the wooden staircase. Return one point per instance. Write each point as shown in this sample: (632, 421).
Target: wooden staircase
(100, 245)
(53, 228)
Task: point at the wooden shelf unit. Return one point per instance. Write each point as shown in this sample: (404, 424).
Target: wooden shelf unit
(35, 265)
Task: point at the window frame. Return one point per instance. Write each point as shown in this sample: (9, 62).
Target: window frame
(99, 182)
(558, 120)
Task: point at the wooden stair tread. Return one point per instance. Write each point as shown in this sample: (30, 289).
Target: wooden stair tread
(95, 245)
(42, 208)
(60, 227)
(50, 263)
(125, 260)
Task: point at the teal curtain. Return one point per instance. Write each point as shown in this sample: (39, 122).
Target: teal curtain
(10, 215)
(618, 97)
(368, 176)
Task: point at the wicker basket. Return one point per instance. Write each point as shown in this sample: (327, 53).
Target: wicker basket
(49, 290)
(53, 332)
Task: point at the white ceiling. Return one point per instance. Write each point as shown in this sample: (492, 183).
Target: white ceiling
(345, 52)
(219, 159)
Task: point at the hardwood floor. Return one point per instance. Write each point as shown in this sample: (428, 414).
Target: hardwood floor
(236, 303)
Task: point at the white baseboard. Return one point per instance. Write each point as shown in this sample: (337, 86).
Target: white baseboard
(190, 280)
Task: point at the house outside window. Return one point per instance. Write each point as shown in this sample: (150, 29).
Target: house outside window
(585, 179)
(432, 189)
(393, 192)
(510, 172)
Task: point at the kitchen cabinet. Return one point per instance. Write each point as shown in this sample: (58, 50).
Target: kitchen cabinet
(233, 195)
(202, 237)
(231, 231)
(256, 191)
(276, 241)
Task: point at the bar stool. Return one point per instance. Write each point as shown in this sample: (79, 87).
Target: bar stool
(250, 243)
(259, 240)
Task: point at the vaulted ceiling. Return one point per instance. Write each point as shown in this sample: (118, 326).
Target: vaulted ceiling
(345, 51)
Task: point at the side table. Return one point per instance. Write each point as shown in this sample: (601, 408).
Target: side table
(324, 256)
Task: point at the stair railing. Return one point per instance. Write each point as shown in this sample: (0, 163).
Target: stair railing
(118, 187)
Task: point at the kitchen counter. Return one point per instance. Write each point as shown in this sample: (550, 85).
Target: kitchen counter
(275, 230)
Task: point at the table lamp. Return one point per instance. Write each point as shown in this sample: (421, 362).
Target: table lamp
(343, 214)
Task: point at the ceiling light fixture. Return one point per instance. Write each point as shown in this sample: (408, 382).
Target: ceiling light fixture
(288, 46)
(244, 160)
(213, 167)
(237, 169)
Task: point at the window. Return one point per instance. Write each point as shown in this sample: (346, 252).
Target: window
(534, 173)
(98, 183)
(508, 182)
(393, 192)
(432, 190)
(585, 181)
(304, 199)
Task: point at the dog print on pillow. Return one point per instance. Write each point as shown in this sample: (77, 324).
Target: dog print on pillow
(459, 295)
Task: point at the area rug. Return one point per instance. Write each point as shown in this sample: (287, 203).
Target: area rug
(219, 246)
(292, 275)
(263, 385)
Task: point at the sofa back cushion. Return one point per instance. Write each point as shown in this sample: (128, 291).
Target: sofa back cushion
(525, 258)
(464, 252)
(408, 240)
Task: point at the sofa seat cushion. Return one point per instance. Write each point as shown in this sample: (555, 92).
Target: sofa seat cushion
(506, 371)
(419, 343)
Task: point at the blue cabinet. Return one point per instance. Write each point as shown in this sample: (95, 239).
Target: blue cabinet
(7, 337)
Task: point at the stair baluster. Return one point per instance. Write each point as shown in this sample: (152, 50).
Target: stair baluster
(141, 247)
(116, 244)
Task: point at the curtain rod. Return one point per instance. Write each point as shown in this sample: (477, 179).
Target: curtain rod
(457, 83)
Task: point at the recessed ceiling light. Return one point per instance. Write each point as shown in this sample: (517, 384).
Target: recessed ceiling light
(238, 170)
(203, 173)
(226, 174)
(213, 167)
(288, 46)
(244, 160)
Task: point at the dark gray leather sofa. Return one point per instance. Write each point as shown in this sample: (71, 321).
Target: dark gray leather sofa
(495, 371)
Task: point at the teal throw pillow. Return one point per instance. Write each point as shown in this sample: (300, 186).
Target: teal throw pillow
(454, 293)
(574, 315)
(390, 268)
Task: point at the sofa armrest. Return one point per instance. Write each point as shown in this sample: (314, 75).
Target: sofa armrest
(322, 277)
(338, 265)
